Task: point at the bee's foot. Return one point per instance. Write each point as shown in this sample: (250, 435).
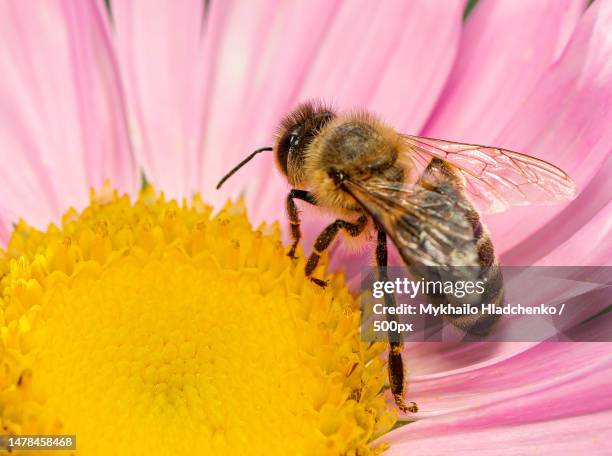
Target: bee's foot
(405, 408)
(320, 282)
(291, 254)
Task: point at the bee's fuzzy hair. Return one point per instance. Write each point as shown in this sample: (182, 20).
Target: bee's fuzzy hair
(302, 114)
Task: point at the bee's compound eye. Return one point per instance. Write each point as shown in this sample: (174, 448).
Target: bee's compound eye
(294, 140)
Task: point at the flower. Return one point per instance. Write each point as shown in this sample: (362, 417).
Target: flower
(138, 327)
(180, 91)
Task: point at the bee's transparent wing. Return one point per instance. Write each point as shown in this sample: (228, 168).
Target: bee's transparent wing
(429, 228)
(495, 178)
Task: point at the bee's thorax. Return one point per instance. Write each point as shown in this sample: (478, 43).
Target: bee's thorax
(357, 147)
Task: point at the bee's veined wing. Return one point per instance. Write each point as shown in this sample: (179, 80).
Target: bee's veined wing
(495, 178)
(429, 228)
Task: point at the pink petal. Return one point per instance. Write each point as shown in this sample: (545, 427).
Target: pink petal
(428, 360)
(62, 127)
(159, 48)
(389, 57)
(505, 48)
(586, 434)
(580, 235)
(565, 381)
(590, 246)
(549, 367)
(5, 232)
(566, 120)
(235, 39)
(329, 50)
(260, 63)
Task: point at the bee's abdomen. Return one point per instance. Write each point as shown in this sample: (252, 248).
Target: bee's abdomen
(484, 246)
(490, 274)
(437, 173)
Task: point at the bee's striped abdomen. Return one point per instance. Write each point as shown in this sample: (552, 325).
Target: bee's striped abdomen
(437, 174)
(481, 324)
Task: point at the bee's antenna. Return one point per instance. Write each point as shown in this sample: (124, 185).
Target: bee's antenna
(241, 164)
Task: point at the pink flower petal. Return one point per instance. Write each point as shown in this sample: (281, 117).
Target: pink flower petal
(590, 246)
(566, 120)
(159, 48)
(62, 127)
(547, 366)
(5, 232)
(259, 63)
(321, 50)
(586, 434)
(505, 48)
(428, 360)
(389, 57)
(581, 235)
(564, 381)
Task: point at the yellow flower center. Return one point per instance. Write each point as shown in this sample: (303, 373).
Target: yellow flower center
(158, 328)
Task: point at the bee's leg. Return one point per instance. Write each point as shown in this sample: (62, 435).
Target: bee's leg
(397, 373)
(294, 216)
(325, 239)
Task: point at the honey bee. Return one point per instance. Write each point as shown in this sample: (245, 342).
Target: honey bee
(425, 194)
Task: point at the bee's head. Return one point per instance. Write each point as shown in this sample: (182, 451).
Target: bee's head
(294, 135)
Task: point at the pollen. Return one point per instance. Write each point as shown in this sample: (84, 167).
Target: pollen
(161, 328)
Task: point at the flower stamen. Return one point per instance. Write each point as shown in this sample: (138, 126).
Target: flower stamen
(158, 328)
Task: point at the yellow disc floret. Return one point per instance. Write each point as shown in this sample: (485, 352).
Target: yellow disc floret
(154, 328)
